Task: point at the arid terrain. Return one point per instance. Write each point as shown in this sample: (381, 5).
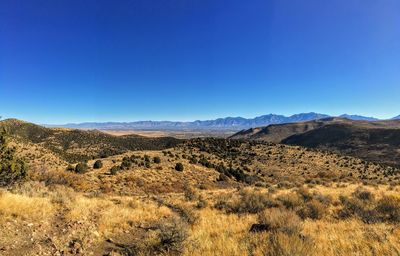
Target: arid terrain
(74, 192)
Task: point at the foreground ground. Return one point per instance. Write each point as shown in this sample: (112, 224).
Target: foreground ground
(338, 220)
(201, 197)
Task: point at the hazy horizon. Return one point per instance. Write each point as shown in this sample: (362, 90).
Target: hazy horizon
(190, 120)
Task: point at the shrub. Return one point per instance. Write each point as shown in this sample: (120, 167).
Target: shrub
(70, 168)
(81, 168)
(156, 160)
(98, 164)
(222, 177)
(363, 194)
(126, 163)
(280, 220)
(249, 201)
(314, 210)
(389, 208)
(167, 239)
(190, 193)
(282, 244)
(202, 203)
(172, 235)
(115, 169)
(179, 167)
(12, 168)
(291, 201)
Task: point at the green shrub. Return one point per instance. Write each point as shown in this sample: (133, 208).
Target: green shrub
(98, 164)
(115, 169)
(179, 167)
(81, 168)
(12, 168)
(156, 160)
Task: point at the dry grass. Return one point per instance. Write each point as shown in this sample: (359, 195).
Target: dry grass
(21, 206)
(146, 225)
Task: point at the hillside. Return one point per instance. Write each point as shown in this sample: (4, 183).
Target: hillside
(76, 145)
(276, 133)
(377, 141)
(246, 193)
(380, 145)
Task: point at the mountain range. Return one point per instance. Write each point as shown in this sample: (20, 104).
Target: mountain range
(228, 123)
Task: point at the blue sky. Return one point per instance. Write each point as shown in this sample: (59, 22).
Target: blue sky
(72, 61)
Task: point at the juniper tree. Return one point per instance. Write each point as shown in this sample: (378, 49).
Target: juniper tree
(12, 168)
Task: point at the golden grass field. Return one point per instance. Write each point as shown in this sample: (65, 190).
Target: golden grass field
(55, 220)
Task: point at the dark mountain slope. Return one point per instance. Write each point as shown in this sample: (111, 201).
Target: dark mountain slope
(381, 145)
(276, 133)
(377, 141)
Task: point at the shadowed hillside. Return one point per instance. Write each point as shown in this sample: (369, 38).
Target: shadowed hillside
(77, 145)
(381, 145)
(377, 141)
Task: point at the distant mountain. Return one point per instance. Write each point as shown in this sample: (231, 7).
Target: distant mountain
(396, 117)
(228, 123)
(360, 118)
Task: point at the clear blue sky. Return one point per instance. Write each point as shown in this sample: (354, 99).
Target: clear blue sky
(93, 60)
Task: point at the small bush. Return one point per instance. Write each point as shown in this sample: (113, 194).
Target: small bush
(98, 164)
(81, 168)
(249, 201)
(363, 194)
(172, 235)
(179, 167)
(190, 193)
(291, 201)
(157, 160)
(222, 177)
(280, 220)
(314, 210)
(389, 208)
(202, 203)
(115, 169)
(282, 244)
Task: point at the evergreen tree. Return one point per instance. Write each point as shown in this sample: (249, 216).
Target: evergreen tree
(11, 167)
